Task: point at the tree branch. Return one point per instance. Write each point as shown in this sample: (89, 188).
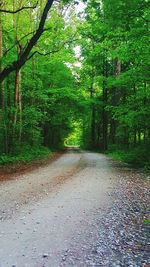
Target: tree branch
(7, 51)
(51, 52)
(18, 10)
(16, 65)
(44, 54)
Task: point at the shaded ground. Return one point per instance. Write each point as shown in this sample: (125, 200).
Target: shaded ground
(81, 210)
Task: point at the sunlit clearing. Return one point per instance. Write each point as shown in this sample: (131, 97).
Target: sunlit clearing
(75, 137)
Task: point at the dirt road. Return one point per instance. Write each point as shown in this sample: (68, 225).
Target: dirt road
(73, 212)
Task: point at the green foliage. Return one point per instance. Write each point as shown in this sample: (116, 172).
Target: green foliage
(116, 59)
(26, 155)
(103, 103)
(75, 137)
(137, 157)
(48, 98)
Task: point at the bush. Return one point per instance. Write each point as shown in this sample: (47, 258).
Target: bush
(138, 156)
(26, 155)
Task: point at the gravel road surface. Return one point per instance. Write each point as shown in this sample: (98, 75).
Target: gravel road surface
(83, 209)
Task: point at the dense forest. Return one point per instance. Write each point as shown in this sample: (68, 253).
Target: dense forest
(76, 74)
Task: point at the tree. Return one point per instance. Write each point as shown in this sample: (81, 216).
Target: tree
(107, 96)
(25, 53)
(47, 81)
(120, 57)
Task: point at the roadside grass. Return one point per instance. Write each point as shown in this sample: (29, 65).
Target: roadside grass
(138, 157)
(26, 155)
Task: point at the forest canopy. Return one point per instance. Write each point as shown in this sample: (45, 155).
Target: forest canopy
(75, 74)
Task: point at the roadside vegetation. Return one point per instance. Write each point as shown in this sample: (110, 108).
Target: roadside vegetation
(26, 155)
(75, 76)
(137, 157)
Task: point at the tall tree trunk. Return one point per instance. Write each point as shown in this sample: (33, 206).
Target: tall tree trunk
(139, 136)
(20, 110)
(92, 113)
(145, 104)
(34, 64)
(135, 133)
(104, 113)
(105, 119)
(113, 123)
(3, 106)
(18, 101)
(17, 90)
(116, 70)
(1, 54)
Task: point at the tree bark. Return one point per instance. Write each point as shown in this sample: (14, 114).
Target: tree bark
(1, 68)
(92, 113)
(104, 113)
(17, 90)
(3, 107)
(113, 100)
(116, 71)
(105, 119)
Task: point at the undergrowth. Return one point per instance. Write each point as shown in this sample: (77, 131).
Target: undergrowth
(137, 156)
(26, 155)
